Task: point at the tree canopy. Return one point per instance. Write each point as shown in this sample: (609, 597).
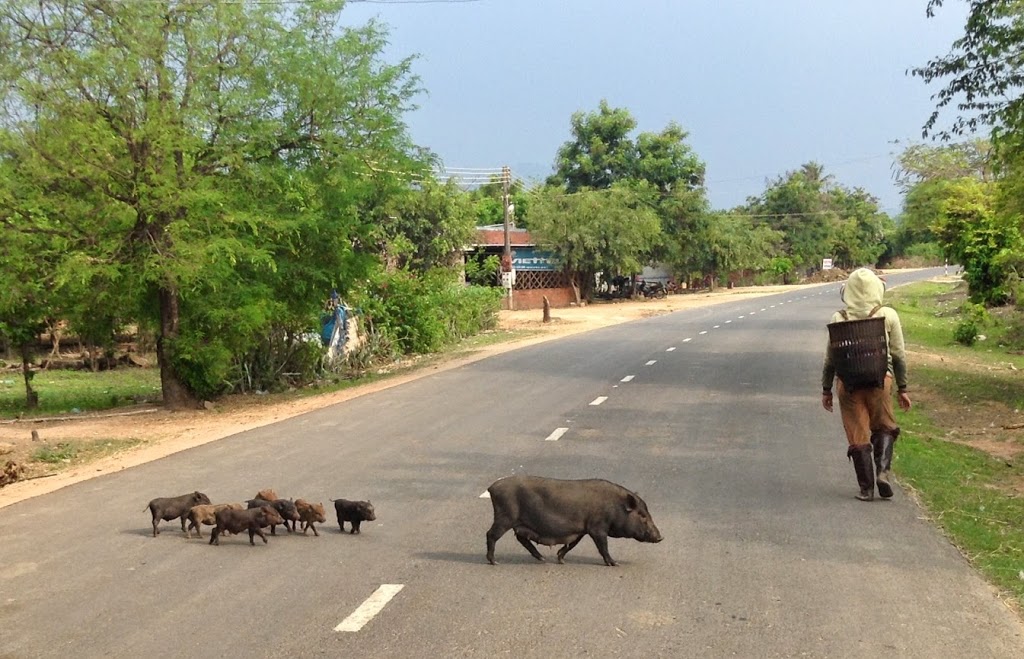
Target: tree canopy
(210, 160)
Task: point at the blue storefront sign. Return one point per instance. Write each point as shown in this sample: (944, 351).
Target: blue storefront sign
(527, 258)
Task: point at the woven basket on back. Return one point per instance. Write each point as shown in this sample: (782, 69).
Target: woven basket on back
(859, 352)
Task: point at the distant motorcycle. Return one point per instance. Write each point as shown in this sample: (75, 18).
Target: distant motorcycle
(654, 289)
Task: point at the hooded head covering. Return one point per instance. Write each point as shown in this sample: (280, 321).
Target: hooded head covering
(862, 292)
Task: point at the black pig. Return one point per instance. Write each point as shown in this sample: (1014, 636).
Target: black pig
(168, 508)
(252, 520)
(354, 512)
(550, 512)
(284, 507)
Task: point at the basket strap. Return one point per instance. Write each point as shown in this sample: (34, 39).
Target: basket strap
(846, 316)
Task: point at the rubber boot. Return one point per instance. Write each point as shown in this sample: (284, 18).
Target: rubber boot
(882, 442)
(861, 456)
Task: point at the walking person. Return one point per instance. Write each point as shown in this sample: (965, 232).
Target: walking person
(864, 381)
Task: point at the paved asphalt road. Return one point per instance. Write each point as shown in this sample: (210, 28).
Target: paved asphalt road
(766, 552)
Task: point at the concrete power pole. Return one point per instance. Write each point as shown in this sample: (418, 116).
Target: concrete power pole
(506, 257)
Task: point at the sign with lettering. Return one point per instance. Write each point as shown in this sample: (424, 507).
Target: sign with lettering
(527, 258)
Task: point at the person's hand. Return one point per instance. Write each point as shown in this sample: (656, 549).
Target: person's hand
(826, 400)
(904, 401)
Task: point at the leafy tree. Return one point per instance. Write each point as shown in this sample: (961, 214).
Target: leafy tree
(428, 227)
(860, 230)
(920, 163)
(984, 70)
(665, 161)
(610, 231)
(600, 153)
(487, 203)
(818, 217)
(603, 153)
(685, 221)
(210, 158)
(979, 225)
(733, 244)
(983, 241)
(797, 206)
(27, 275)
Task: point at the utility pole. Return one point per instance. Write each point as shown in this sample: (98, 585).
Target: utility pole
(506, 257)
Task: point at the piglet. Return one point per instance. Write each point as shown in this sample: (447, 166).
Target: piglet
(310, 514)
(168, 508)
(354, 512)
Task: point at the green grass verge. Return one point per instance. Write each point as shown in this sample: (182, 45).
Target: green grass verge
(74, 452)
(62, 391)
(973, 496)
(970, 495)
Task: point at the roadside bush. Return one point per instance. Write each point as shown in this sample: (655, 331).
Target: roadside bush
(482, 270)
(283, 358)
(1013, 334)
(972, 318)
(422, 313)
(202, 364)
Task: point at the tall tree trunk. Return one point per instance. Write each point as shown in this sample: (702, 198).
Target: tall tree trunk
(176, 394)
(31, 396)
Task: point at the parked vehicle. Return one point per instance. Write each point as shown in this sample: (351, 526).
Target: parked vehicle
(654, 289)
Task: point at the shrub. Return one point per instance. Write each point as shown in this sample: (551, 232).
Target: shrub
(972, 318)
(422, 313)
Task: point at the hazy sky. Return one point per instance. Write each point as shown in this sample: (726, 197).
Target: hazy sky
(761, 86)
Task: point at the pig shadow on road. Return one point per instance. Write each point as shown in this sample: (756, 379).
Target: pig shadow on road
(508, 559)
(477, 558)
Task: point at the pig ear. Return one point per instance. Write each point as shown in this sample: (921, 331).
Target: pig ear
(631, 502)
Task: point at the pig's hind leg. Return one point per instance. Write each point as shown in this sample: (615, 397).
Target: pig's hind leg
(499, 528)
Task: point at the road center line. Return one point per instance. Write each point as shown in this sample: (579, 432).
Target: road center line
(627, 378)
(556, 434)
(599, 400)
(371, 607)
(651, 363)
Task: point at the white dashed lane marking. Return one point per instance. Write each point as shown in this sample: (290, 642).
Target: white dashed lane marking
(716, 326)
(556, 434)
(670, 349)
(687, 339)
(727, 322)
(628, 378)
(703, 331)
(599, 400)
(651, 363)
(373, 605)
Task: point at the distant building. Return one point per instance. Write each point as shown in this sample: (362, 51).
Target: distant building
(537, 273)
